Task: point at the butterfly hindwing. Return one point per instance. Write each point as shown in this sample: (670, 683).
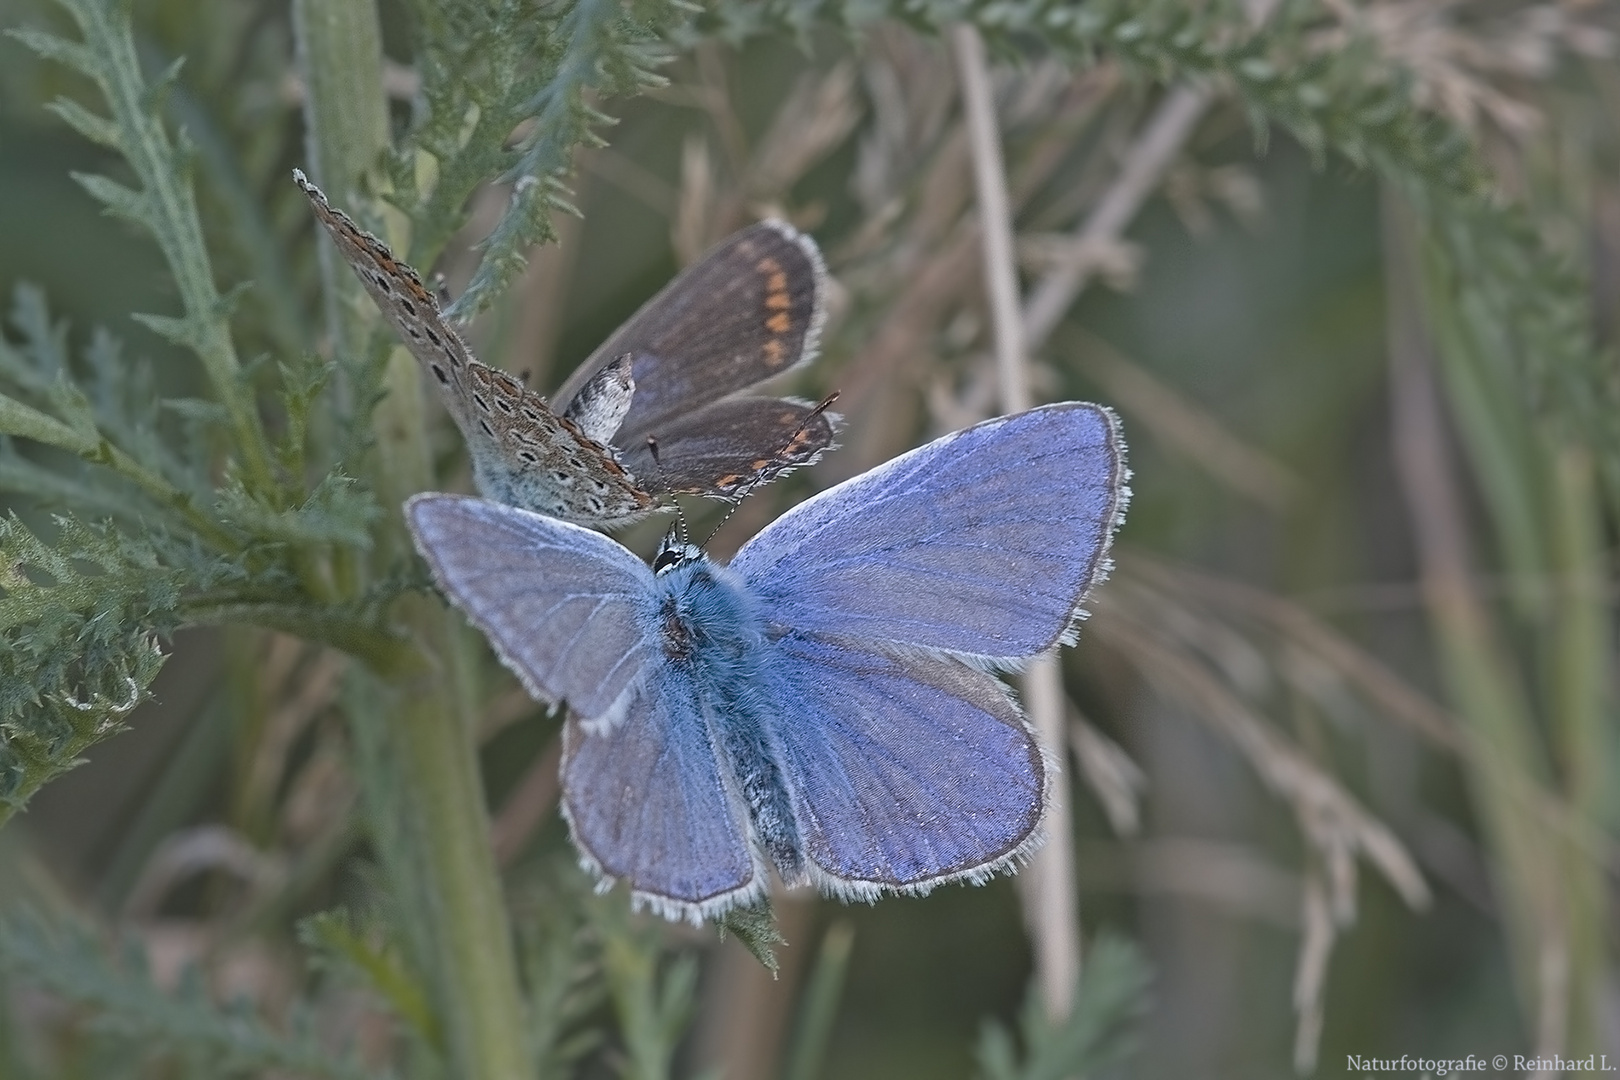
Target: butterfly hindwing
(982, 543)
(566, 608)
(906, 771)
(721, 449)
(647, 804)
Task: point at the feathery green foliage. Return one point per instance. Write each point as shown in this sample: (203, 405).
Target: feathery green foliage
(163, 204)
(560, 951)
(259, 505)
(1098, 1033)
(652, 1000)
(77, 646)
(122, 1000)
(755, 928)
(490, 69)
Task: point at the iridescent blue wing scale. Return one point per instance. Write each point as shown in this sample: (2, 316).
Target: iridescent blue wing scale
(889, 595)
(907, 772)
(566, 608)
(981, 544)
(575, 615)
(646, 804)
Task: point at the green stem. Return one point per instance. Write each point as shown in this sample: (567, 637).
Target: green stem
(389, 655)
(346, 126)
(470, 962)
(1581, 713)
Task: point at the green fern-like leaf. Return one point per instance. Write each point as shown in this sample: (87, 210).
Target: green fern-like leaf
(162, 203)
(756, 929)
(337, 941)
(122, 1000)
(491, 69)
(77, 645)
(1099, 1031)
(652, 1000)
(560, 953)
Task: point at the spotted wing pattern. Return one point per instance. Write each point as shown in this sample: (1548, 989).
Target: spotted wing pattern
(523, 453)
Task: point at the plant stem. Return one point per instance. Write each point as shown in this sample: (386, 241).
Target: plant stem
(1051, 903)
(473, 974)
(346, 131)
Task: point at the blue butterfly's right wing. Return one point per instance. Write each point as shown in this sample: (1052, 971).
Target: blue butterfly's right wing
(646, 805)
(906, 771)
(982, 543)
(566, 608)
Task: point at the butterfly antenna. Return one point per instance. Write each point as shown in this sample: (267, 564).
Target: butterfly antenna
(779, 457)
(658, 477)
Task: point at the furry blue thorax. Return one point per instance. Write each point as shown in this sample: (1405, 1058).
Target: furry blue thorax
(712, 632)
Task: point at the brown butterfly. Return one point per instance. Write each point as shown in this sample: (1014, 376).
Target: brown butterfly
(669, 382)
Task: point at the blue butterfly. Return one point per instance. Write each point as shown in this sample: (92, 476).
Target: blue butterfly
(824, 705)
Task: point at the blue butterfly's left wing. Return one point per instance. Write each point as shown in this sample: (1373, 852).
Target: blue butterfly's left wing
(906, 771)
(982, 543)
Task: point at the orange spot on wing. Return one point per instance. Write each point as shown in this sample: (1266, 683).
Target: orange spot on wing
(773, 352)
(779, 323)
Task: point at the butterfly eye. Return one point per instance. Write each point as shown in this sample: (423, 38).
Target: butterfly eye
(666, 558)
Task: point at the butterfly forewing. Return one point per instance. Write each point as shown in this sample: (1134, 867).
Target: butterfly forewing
(749, 309)
(982, 543)
(523, 453)
(565, 608)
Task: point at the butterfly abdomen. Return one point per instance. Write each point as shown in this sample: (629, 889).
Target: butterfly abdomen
(710, 627)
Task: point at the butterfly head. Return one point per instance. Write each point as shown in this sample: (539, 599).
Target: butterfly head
(675, 551)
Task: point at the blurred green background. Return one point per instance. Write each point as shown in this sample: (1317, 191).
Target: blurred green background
(1245, 324)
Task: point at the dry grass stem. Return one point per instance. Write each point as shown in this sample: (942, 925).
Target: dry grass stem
(1331, 818)
(1139, 175)
(1182, 427)
(309, 695)
(1320, 928)
(1051, 902)
(1116, 780)
(186, 852)
(1232, 877)
(1385, 689)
